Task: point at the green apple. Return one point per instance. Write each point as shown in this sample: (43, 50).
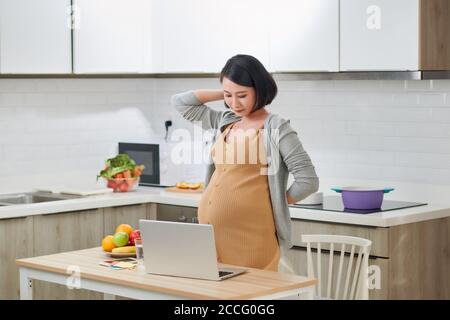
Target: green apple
(120, 239)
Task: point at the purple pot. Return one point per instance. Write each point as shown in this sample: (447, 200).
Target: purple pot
(360, 198)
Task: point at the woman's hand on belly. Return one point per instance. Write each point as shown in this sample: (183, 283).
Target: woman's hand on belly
(290, 200)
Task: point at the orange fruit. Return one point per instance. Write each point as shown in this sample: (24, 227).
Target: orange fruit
(125, 228)
(107, 243)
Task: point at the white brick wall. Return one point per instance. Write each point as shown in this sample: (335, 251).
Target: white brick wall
(52, 130)
(58, 131)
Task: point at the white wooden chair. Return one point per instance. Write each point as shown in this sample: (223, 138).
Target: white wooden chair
(358, 288)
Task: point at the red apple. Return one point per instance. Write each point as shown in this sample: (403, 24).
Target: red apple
(135, 234)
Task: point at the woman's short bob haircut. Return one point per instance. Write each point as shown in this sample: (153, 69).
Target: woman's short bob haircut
(247, 71)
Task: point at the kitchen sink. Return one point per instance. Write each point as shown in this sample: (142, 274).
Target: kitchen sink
(33, 197)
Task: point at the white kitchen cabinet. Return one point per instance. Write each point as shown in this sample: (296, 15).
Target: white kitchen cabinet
(109, 36)
(379, 35)
(201, 35)
(236, 27)
(182, 32)
(304, 35)
(153, 37)
(35, 36)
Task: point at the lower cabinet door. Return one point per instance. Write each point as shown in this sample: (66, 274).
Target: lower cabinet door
(66, 231)
(295, 261)
(167, 212)
(16, 241)
(131, 215)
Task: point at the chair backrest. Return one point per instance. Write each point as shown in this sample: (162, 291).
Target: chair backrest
(355, 284)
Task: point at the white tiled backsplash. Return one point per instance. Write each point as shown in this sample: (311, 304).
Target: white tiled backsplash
(58, 130)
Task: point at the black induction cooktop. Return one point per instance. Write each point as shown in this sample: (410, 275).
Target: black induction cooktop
(334, 203)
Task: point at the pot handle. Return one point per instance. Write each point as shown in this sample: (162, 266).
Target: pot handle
(338, 190)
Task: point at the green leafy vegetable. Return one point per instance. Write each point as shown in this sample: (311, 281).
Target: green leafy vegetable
(120, 163)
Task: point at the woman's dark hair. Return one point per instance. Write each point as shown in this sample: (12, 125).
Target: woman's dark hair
(247, 71)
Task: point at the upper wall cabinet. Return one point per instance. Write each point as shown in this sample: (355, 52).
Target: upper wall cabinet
(35, 36)
(394, 35)
(201, 35)
(198, 36)
(235, 27)
(434, 35)
(153, 37)
(182, 46)
(293, 35)
(304, 35)
(109, 36)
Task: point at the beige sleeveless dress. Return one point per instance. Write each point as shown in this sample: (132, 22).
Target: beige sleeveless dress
(237, 203)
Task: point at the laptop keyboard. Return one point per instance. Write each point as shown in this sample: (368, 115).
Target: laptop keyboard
(224, 273)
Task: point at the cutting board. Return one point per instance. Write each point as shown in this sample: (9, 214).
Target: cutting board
(87, 192)
(175, 189)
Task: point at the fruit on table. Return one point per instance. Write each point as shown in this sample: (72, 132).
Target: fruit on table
(125, 249)
(124, 236)
(120, 239)
(135, 234)
(125, 228)
(108, 244)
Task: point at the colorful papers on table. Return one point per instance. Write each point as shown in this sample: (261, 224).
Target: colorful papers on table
(120, 264)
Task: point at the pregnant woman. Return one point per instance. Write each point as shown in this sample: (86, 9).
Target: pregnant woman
(253, 153)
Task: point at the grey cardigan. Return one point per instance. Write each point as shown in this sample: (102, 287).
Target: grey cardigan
(284, 150)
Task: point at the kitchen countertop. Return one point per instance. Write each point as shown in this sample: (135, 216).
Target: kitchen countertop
(158, 195)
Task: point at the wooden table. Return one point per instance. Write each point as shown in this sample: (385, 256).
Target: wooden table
(81, 269)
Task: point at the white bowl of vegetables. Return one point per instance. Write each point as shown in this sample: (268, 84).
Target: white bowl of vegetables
(121, 173)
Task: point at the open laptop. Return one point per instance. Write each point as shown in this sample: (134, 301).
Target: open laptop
(182, 250)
